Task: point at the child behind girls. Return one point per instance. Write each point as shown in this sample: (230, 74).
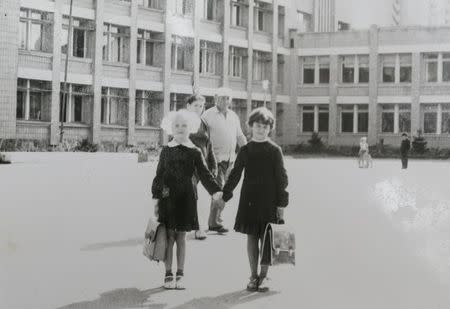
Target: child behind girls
(363, 149)
(175, 191)
(263, 192)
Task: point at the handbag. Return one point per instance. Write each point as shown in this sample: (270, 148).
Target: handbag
(155, 243)
(278, 246)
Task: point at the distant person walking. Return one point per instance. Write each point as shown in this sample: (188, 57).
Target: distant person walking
(404, 150)
(225, 133)
(201, 139)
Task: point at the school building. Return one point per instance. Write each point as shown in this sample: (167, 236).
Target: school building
(131, 61)
(376, 83)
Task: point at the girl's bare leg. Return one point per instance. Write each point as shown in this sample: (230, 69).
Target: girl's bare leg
(181, 250)
(253, 254)
(169, 250)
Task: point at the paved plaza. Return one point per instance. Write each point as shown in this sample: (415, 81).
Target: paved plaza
(71, 234)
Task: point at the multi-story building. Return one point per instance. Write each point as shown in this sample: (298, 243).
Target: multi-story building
(377, 83)
(131, 61)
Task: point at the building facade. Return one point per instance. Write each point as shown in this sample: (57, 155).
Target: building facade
(376, 83)
(131, 61)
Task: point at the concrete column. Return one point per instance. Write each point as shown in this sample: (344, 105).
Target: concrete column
(56, 74)
(196, 23)
(170, 10)
(333, 112)
(98, 68)
(355, 118)
(397, 69)
(9, 54)
(274, 81)
(356, 66)
(316, 118)
(439, 68)
(69, 104)
(373, 86)
(225, 39)
(415, 93)
(396, 119)
(27, 101)
(251, 11)
(439, 119)
(132, 75)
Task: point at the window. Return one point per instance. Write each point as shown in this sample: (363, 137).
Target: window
(36, 30)
(211, 9)
(347, 114)
(262, 65)
(430, 118)
(304, 22)
(405, 68)
(280, 69)
(279, 119)
(147, 44)
(323, 118)
(116, 43)
(79, 103)
(363, 118)
(388, 68)
(182, 53)
(149, 108)
(263, 17)
(309, 70)
(404, 118)
(387, 119)
(445, 121)
(114, 108)
(238, 57)
(83, 37)
(431, 64)
(446, 67)
(33, 100)
(343, 26)
(324, 70)
(239, 13)
(363, 62)
(257, 104)
(239, 106)
(178, 101)
(184, 7)
(308, 119)
(154, 4)
(210, 58)
(348, 69)
(281, 21)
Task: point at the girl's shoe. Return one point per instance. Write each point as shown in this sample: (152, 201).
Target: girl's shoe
(169, 282)
(263, 285)
(180, 283)
(252, 285)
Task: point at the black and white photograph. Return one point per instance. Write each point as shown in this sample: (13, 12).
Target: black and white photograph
(224, 154)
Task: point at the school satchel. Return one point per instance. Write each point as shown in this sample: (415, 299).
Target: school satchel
(278, 244)
(155, 243)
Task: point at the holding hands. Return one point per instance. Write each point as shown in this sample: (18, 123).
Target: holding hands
(217, 196)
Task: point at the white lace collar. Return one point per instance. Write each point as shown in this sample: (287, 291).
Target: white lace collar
(174, 143)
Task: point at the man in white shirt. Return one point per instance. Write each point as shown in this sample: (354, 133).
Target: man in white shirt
(225, 133)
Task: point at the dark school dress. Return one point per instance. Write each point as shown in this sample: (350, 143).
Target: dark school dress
(174, 174)
(263, 187)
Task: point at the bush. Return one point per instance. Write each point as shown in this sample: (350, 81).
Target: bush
(419, 144)
(86, 146)
(315, 142)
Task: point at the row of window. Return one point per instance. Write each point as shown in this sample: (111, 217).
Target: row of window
(395, 68)
(395, 118)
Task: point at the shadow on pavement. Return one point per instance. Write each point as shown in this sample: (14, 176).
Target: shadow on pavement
(119, 299)
(225, 301)
(114, 244)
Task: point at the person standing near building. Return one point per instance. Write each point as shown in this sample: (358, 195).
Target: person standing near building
(225, 133)
(196, 104)
(404, 150)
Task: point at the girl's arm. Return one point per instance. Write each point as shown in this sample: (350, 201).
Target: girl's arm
(158, 181)
(207, 179)
(235, 174)
(281, 180)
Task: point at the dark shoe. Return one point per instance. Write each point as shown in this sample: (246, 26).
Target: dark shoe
(219, 229)
(200, 235)
(263, 285)
(252, 285)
